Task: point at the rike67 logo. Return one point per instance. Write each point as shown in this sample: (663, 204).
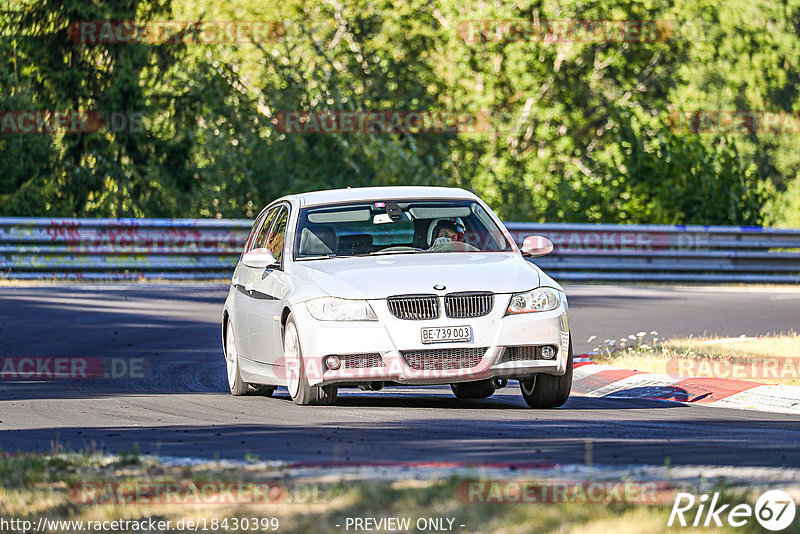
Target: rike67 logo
(774, 510)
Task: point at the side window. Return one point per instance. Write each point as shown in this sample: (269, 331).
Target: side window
(263, 233)
(278, 234)
(248, 245)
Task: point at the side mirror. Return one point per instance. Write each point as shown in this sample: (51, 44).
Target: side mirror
(536, 245)
(259, 258)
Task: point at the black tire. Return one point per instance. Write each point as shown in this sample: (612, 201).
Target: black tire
(548, 391)
(473, 390)
(235, 382)
(302, 393)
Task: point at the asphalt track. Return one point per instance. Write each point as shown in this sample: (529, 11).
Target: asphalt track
(179, 405)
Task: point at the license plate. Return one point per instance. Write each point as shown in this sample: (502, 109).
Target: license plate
(442, 334)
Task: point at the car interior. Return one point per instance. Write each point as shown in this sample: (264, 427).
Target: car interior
(363, 230)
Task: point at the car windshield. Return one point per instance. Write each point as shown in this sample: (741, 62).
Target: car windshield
(397, 227)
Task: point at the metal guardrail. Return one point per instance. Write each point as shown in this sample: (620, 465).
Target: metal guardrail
(120, 249)
(131, 249)
(668, 253)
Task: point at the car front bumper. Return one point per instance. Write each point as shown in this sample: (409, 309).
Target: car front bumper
(391, 338)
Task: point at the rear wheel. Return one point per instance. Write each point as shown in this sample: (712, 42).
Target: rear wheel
(235, 382)
(473, 390)
(548, 391)
(296, 380)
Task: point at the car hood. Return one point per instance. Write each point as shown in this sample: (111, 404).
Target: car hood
(377, 277)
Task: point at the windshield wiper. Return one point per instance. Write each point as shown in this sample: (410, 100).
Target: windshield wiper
(408, 251)
(318, 257)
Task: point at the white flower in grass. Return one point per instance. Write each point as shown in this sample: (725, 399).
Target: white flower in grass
(653, 333)
(631, 336)
(591, 338)
(641, 334)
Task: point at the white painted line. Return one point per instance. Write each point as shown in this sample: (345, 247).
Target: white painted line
(588, 370)
(638, 386)
(766, 398)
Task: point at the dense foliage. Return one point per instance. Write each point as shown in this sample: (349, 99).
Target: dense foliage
(576, 129)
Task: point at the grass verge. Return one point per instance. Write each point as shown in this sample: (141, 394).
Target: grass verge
(34, 486)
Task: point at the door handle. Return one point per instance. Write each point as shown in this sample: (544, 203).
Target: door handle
(249, 287)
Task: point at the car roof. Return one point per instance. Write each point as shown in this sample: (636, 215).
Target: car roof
(358, 194)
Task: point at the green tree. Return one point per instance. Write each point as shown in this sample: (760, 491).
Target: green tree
(104, 172)
(580, 127)
(27, 162)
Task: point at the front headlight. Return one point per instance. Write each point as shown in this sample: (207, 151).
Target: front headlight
(336, 309)
(536, 300)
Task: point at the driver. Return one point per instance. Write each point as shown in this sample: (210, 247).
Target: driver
(447, 230)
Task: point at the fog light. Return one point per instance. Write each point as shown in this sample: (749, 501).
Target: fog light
(548, 352)
(333, 362)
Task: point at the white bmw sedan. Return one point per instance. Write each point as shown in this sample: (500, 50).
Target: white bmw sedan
(393, 286)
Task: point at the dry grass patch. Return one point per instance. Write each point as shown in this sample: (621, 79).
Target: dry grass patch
(770, 359)
(772, 346)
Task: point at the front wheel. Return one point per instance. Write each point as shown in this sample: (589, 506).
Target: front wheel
(235, 382)
(548, 391)
(296, 380)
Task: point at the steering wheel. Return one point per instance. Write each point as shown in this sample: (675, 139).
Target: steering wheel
(454, 246)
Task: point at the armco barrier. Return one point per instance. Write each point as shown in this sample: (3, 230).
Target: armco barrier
(668, 253)
(208, 249)
(125, 249)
